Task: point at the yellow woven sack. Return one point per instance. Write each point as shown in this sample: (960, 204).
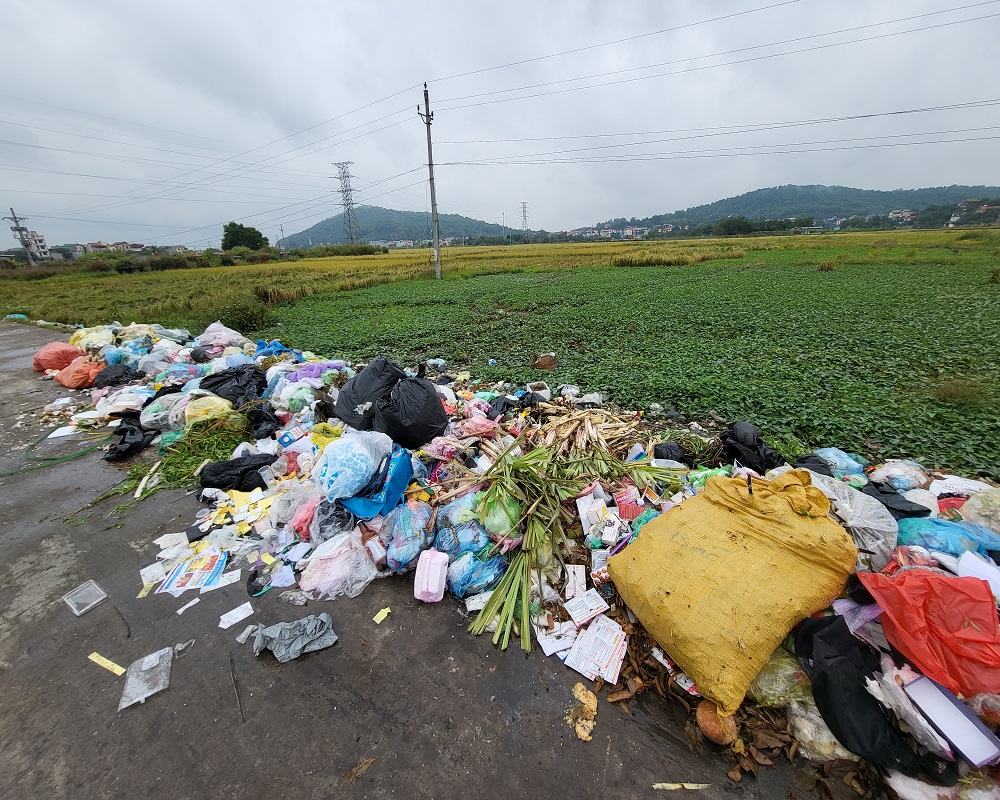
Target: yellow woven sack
(721, 579)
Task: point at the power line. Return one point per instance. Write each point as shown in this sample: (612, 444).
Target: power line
(724, 64)
(749, 127)
(730, 153)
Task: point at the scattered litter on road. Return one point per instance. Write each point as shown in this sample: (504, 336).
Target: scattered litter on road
(109, 665)
(238, 614)
(381, 616)
(358, 770)
(146, 677)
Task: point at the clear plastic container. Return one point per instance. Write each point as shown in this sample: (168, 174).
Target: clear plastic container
(432, 576)
(84, 597)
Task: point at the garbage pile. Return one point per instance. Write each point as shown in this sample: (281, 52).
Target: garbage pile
(829, 608)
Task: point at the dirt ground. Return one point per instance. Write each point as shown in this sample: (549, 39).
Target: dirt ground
(444, 714)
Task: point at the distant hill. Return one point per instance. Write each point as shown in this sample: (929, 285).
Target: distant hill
(386, 224)
(813, 201)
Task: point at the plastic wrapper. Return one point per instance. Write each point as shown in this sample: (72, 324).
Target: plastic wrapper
(948, 537)
(54, 355)
(468, 537)
(347, 464)
(468, 575)
(290, 495)
(339, 567)
(474, 426)
(289, 640)
(323, 433)
(781, 682)
(926, 498)
(443, 448)
(816, 741)
(983, 509)
(900, 474)
(128, 398)
(406, 531)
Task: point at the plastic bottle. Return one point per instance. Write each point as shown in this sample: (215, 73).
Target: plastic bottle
(432, 576)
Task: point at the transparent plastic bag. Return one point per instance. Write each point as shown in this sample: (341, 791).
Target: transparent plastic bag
(157, 417)
(340, 567)
(202, 408)
(329, 520)
(781, 682)
(501, 517)
(983, 509)
(291, 495)
(405, 529)
(839, 461)
(816, 740)
(217, 333)
(901, 474)
(458, 511)
(468, 575)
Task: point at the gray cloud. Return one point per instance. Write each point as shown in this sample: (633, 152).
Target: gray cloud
(209, 81)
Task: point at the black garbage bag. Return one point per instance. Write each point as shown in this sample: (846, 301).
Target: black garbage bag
(116, 375)
(238, 473)
(815, 463)
(133, 439)
(263, 422)
(325, 407)
(501, 405)
(835, 663)
(411, 414)
(356, 402)
(893, 500)
(742, 443)
(673, 452)
(241, 386)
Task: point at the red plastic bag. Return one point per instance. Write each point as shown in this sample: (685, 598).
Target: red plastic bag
(80, 374)
(946, 626)
(54, 355)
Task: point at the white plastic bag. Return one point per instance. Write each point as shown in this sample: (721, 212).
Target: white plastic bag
(925, 498)
(816, 740)
(347, 464)
(217, 333)
(340, 567)
(157, 417)
(983, 509)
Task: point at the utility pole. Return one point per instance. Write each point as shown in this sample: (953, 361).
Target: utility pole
(524, 223)
(503, 224)
(428, 118)
(21, 234)
(281, 241)
(352, 233)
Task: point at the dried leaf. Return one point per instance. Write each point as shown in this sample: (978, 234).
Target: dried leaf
(671, 787)
(760, 758)
(359, 769)
(624, 694)
(734, 774)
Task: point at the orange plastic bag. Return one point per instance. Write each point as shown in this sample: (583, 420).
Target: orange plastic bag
(946, 626)
(80, 374)
(54, 355)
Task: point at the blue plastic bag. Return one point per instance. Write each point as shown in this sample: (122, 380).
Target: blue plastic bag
(468, 575)
(840, 461)
(408, 539)
(397, 478)
(947, 537)
(469, 537)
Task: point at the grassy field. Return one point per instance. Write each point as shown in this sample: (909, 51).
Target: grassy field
(881, 344)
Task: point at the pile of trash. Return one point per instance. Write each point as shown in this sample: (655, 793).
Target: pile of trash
(829, 609)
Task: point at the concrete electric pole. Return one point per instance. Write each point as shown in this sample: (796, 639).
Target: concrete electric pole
(428, 118)
(21, 233)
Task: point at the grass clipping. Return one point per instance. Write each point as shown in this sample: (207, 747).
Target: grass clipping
(208, 440)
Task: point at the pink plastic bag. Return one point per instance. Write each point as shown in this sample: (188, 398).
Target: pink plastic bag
(303, 517)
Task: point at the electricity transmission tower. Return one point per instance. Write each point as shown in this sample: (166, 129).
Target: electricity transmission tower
(524, 222)
(352, 233)
(21, 233)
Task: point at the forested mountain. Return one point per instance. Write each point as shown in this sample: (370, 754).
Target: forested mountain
(813, 201)
(386, 224)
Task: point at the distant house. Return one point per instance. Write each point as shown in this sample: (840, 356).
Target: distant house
(97, 247)
(173, 249)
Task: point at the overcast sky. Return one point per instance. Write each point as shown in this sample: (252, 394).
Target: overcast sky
(160, 121)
